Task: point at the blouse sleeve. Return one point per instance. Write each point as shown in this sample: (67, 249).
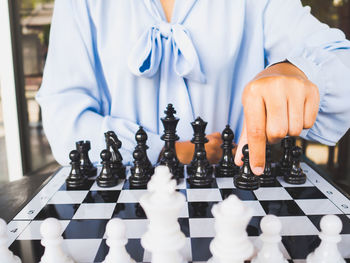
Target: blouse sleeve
(73, 93)
(322, 53)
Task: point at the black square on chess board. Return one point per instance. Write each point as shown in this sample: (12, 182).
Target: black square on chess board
(84, 214)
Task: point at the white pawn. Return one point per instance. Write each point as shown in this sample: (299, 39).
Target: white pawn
(116, 241)
(231, 243)
(270, 253)
(51, 230)
(162, 205)
(6, 256)
(327, 251)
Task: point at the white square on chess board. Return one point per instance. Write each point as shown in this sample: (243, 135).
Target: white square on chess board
(204, 195)
(135, 228)
(297, 226)
(317, 207)
(202, 227)
(95, 211)
(272, 193)
(225, 183)
(256, 206)
(68, 197)
(32, 231)
(131, 196)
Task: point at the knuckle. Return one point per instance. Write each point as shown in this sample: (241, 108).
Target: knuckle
(295, 131)
(276, 133)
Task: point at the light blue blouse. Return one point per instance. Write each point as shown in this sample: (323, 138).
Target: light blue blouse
(116, 64)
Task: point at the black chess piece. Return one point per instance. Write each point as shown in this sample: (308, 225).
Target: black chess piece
(285, 163)
(246, 180)
(86, 166)
(106, 177)
(141, 139)
(113, 144)
(76, 179)
(169, 161)
(139, 177)
(296, 174)
(267, 178)
(199, 140)
(227, 167)
(170, 137)
(202, 176)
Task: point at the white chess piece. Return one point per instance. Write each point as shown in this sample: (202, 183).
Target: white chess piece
(231, 243)
(116, 241)
(51, 230)
(327, 251)
(162, 205)
(6, 256)
(270, 253)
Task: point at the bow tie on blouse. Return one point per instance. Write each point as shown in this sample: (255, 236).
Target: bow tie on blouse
(146, 56)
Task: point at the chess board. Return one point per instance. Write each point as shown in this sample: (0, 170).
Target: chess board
(84, 214)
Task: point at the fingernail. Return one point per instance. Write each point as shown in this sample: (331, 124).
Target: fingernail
(258, 170)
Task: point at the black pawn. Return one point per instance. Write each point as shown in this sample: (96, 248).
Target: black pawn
(170, 137)
(226, 167)
(76, 179)
(139, 177)
(285, 163)
(86, 166)
(106, 177)
(168, 160)
(267, 178)
(296, 174)
(141, 139)
(202, 176)
(199, 140)
(113, 144)
(246, 179)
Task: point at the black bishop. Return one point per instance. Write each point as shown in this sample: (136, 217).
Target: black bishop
(226, 167)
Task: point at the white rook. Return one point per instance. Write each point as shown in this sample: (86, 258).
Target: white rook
(162, 205)
(231, 243)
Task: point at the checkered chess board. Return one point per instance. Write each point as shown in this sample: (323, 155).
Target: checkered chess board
(84, 214)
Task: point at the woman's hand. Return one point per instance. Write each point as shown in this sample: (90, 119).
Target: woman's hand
(279, 101)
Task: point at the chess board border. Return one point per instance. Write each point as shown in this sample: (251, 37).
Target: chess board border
(323, 174)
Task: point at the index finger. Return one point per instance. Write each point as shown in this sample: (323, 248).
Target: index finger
(255, 116)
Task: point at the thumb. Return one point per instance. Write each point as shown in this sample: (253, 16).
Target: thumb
(243, 140)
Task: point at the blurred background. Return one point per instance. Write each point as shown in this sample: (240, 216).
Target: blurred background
(29, 30)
